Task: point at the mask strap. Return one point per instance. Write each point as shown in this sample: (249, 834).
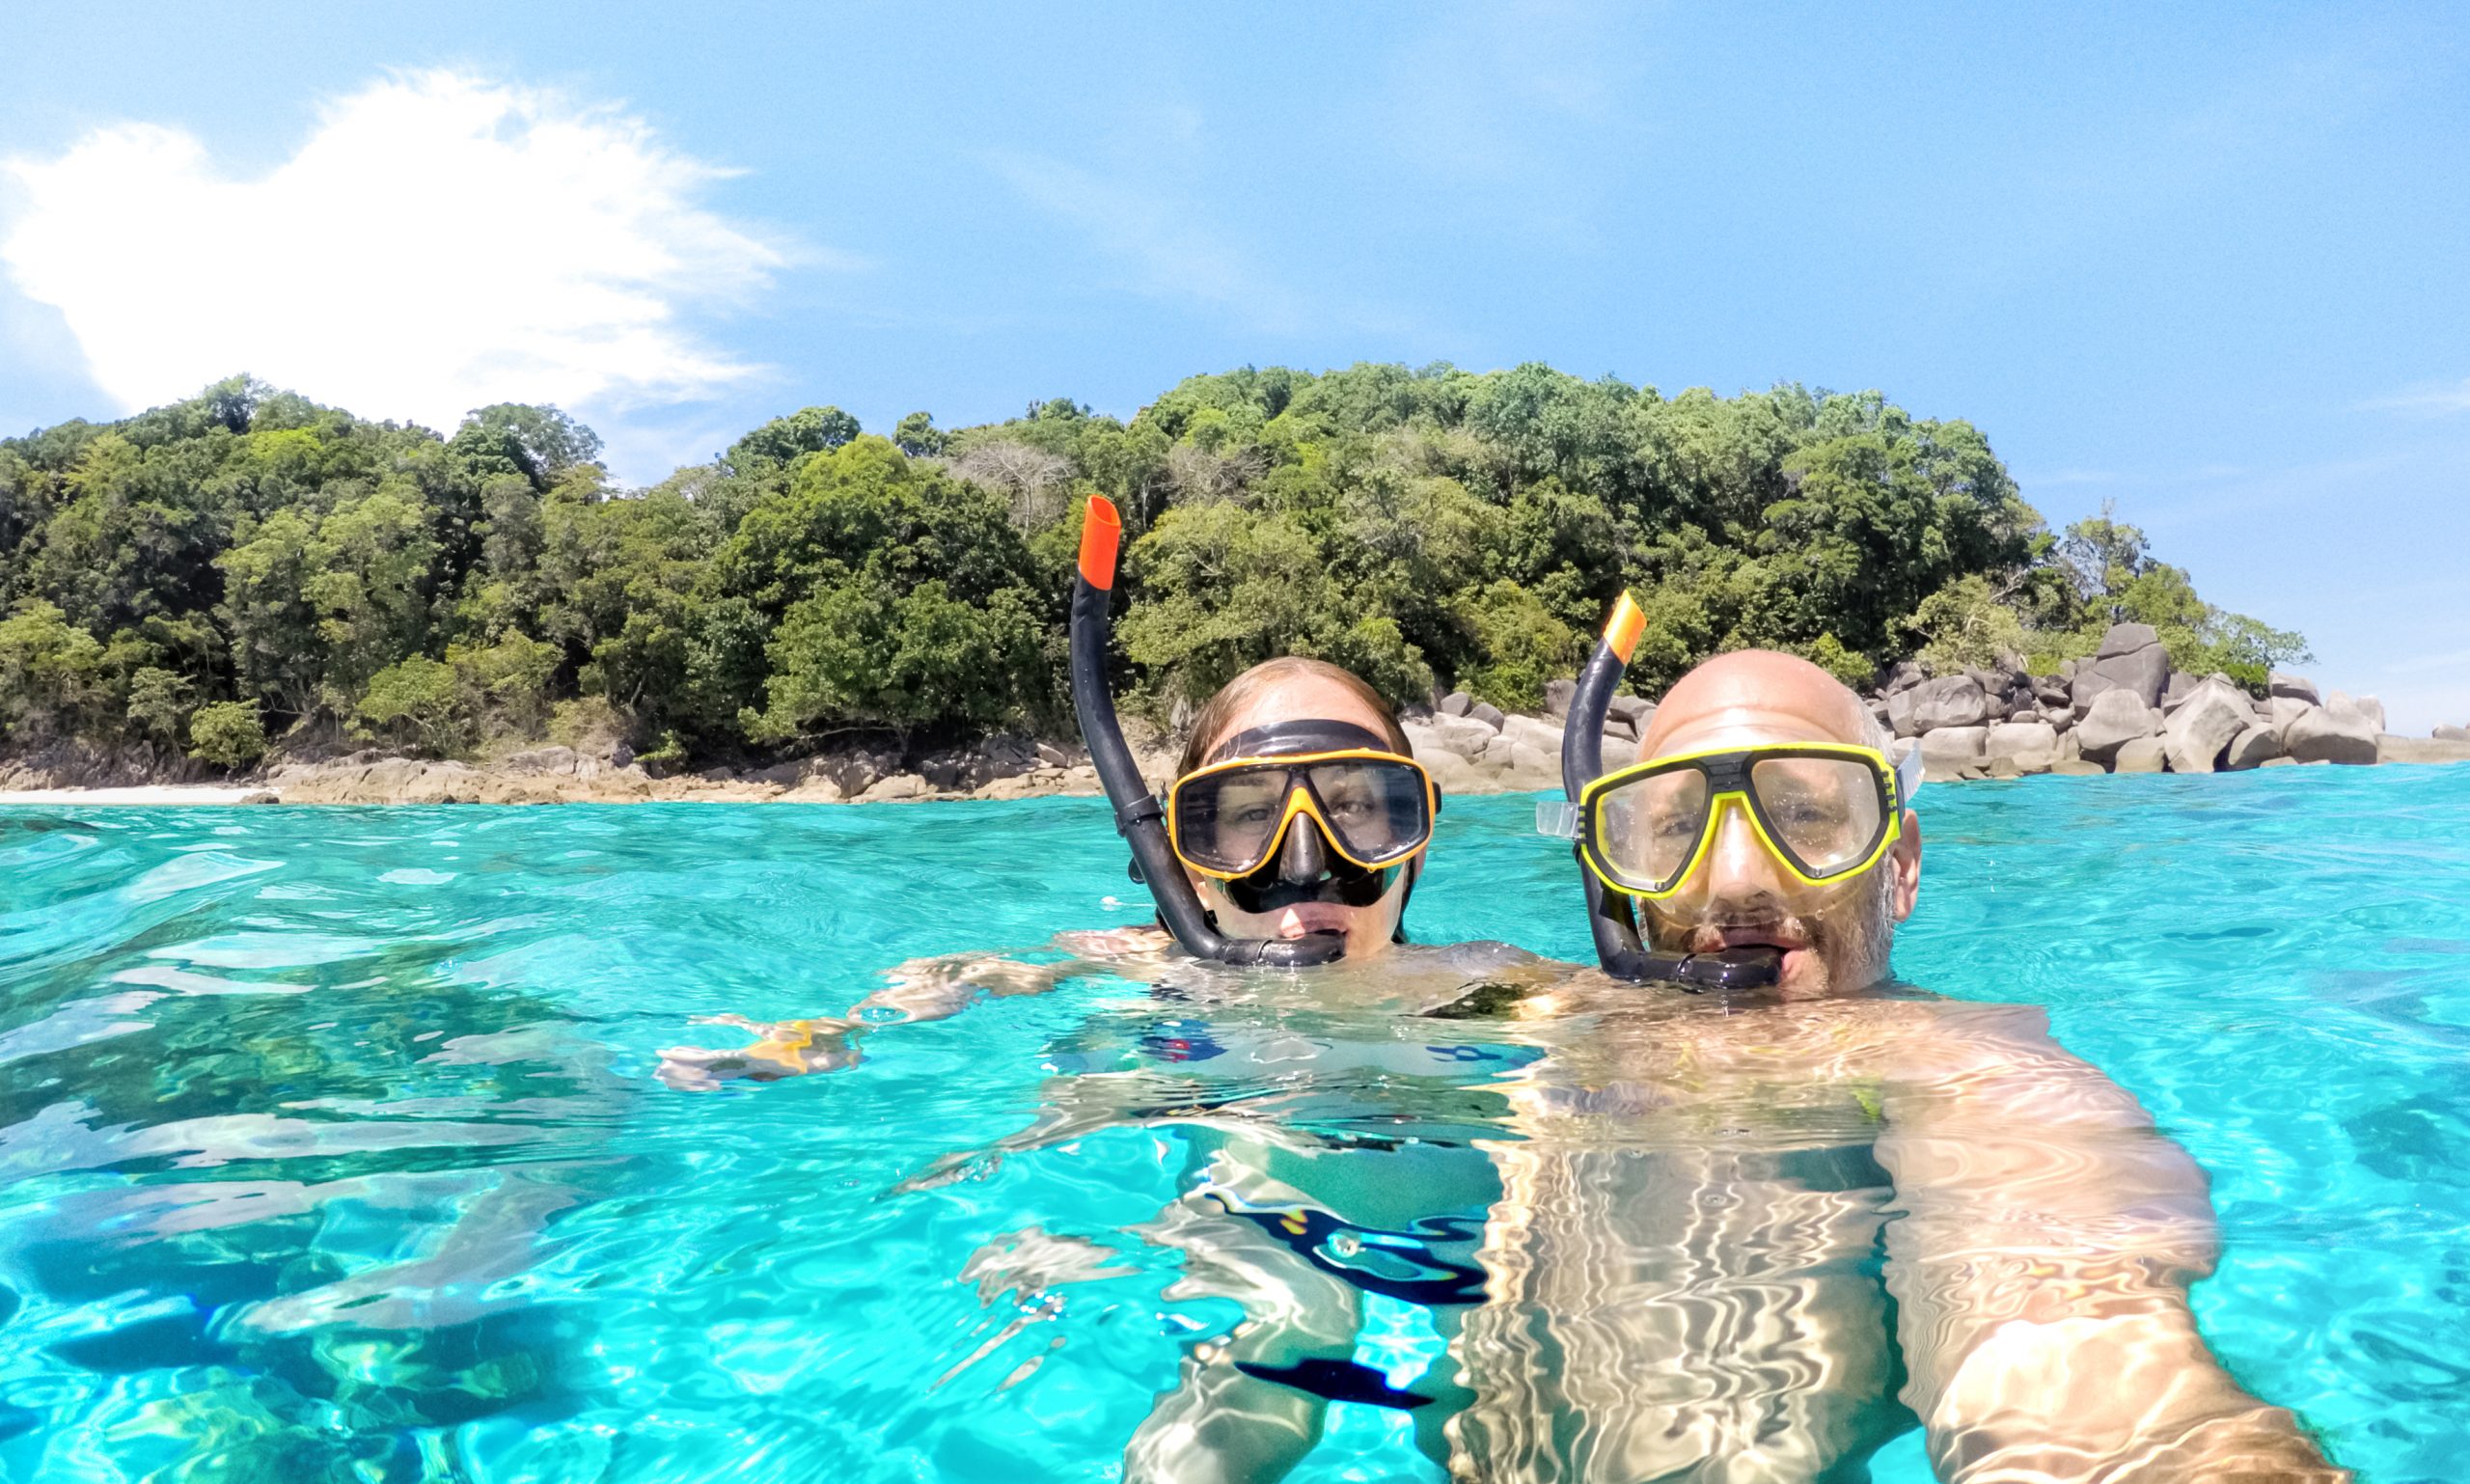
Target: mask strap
(1907, 776)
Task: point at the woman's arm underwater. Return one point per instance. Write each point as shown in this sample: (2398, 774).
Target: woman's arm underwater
(922, 989)
(2041, 1264)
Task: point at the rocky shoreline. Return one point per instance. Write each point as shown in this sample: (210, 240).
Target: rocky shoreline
(2122, 711)
(2125, 710)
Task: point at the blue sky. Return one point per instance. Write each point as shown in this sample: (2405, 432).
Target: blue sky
(2212, 263)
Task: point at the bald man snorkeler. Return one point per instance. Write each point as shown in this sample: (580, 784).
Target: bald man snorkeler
(1754, 1233)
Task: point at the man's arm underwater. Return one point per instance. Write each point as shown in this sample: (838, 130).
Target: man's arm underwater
(2042, 1263)
(922, 989)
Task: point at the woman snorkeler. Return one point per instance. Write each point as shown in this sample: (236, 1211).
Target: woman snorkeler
(1292, 835)
(1327, 1115)
(1256, 877)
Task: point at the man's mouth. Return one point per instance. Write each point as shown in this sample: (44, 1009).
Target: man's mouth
(1785, 937)
(1773, 935)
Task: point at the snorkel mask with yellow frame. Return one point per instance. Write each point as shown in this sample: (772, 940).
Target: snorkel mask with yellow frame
(1826, 812)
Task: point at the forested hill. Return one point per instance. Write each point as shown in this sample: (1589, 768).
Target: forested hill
(249, 564)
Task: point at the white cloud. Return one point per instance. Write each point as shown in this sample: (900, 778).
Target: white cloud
(1161, 241)
(440, 242)
(2434, 399)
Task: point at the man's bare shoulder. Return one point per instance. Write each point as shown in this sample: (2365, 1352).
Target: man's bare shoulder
(1894, 1030)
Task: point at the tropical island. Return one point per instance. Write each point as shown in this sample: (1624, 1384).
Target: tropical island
(249, 584)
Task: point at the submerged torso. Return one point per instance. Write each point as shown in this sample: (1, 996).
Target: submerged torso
(1684, 1263)
(1650, 1227)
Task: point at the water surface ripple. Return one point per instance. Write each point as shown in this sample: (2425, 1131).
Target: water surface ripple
(333, 1147)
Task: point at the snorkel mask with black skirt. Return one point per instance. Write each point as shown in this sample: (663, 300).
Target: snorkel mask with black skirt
(1303, 812)
(1294, 813)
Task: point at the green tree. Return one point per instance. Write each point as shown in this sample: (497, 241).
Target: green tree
(416, 700)
(903, 597)
(509, 679)
(2117, 580)
(158, 704)
(627, 575)
(1518, 645)
(227, 733)
(852, 655)
(1965, 624)
(917, 436)
(1224, 589)
(276, 647)
(369, 574)
(51, 673)
(2104, 556)
(540, 444)
(786, 440)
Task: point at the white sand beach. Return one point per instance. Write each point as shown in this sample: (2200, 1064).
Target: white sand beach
(162, 793)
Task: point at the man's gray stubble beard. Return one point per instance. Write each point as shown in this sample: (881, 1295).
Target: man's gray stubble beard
(1854, 942)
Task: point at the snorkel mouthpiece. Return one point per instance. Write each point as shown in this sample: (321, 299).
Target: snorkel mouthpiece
(1608, 917)
(1746, 968)
(1138, 816)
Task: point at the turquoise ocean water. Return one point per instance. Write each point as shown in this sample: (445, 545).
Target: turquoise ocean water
(332, 1147)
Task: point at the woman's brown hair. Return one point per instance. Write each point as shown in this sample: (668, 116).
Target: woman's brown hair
(1209, 725)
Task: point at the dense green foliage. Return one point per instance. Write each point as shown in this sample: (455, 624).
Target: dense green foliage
(248, 563)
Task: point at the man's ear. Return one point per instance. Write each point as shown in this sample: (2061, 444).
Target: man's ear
(1904, 859)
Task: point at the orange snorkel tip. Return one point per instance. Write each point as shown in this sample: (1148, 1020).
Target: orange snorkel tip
(1622, 631)
(1101, 537)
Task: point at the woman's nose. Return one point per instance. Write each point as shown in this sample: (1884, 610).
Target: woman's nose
(1302, 860)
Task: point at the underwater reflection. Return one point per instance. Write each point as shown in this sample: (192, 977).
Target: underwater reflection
(1660, 1236)
(1755, 1240)
(1333, 1130)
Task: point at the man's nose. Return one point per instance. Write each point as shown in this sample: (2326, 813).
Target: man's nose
(1738, 865)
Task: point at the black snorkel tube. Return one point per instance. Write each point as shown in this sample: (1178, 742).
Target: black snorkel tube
(1139, 818)
(1608, 913)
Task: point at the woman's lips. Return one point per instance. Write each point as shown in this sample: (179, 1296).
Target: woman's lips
(1311, 918)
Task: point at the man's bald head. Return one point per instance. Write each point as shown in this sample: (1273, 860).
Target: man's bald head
(1755, 696)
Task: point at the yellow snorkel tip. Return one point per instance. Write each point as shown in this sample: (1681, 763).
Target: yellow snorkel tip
(1627, 624)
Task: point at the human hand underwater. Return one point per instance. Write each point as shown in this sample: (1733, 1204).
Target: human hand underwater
(1111, 944)
(787, 1048)
(931, 988)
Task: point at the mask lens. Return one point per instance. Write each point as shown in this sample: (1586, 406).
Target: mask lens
(1377, 809)
(1827, 811)
(1647, 829)
(1224, 821)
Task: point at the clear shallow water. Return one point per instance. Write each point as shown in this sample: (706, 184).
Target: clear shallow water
(332, 1149)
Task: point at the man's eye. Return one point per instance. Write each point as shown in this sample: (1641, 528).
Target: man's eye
(1808, 812)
